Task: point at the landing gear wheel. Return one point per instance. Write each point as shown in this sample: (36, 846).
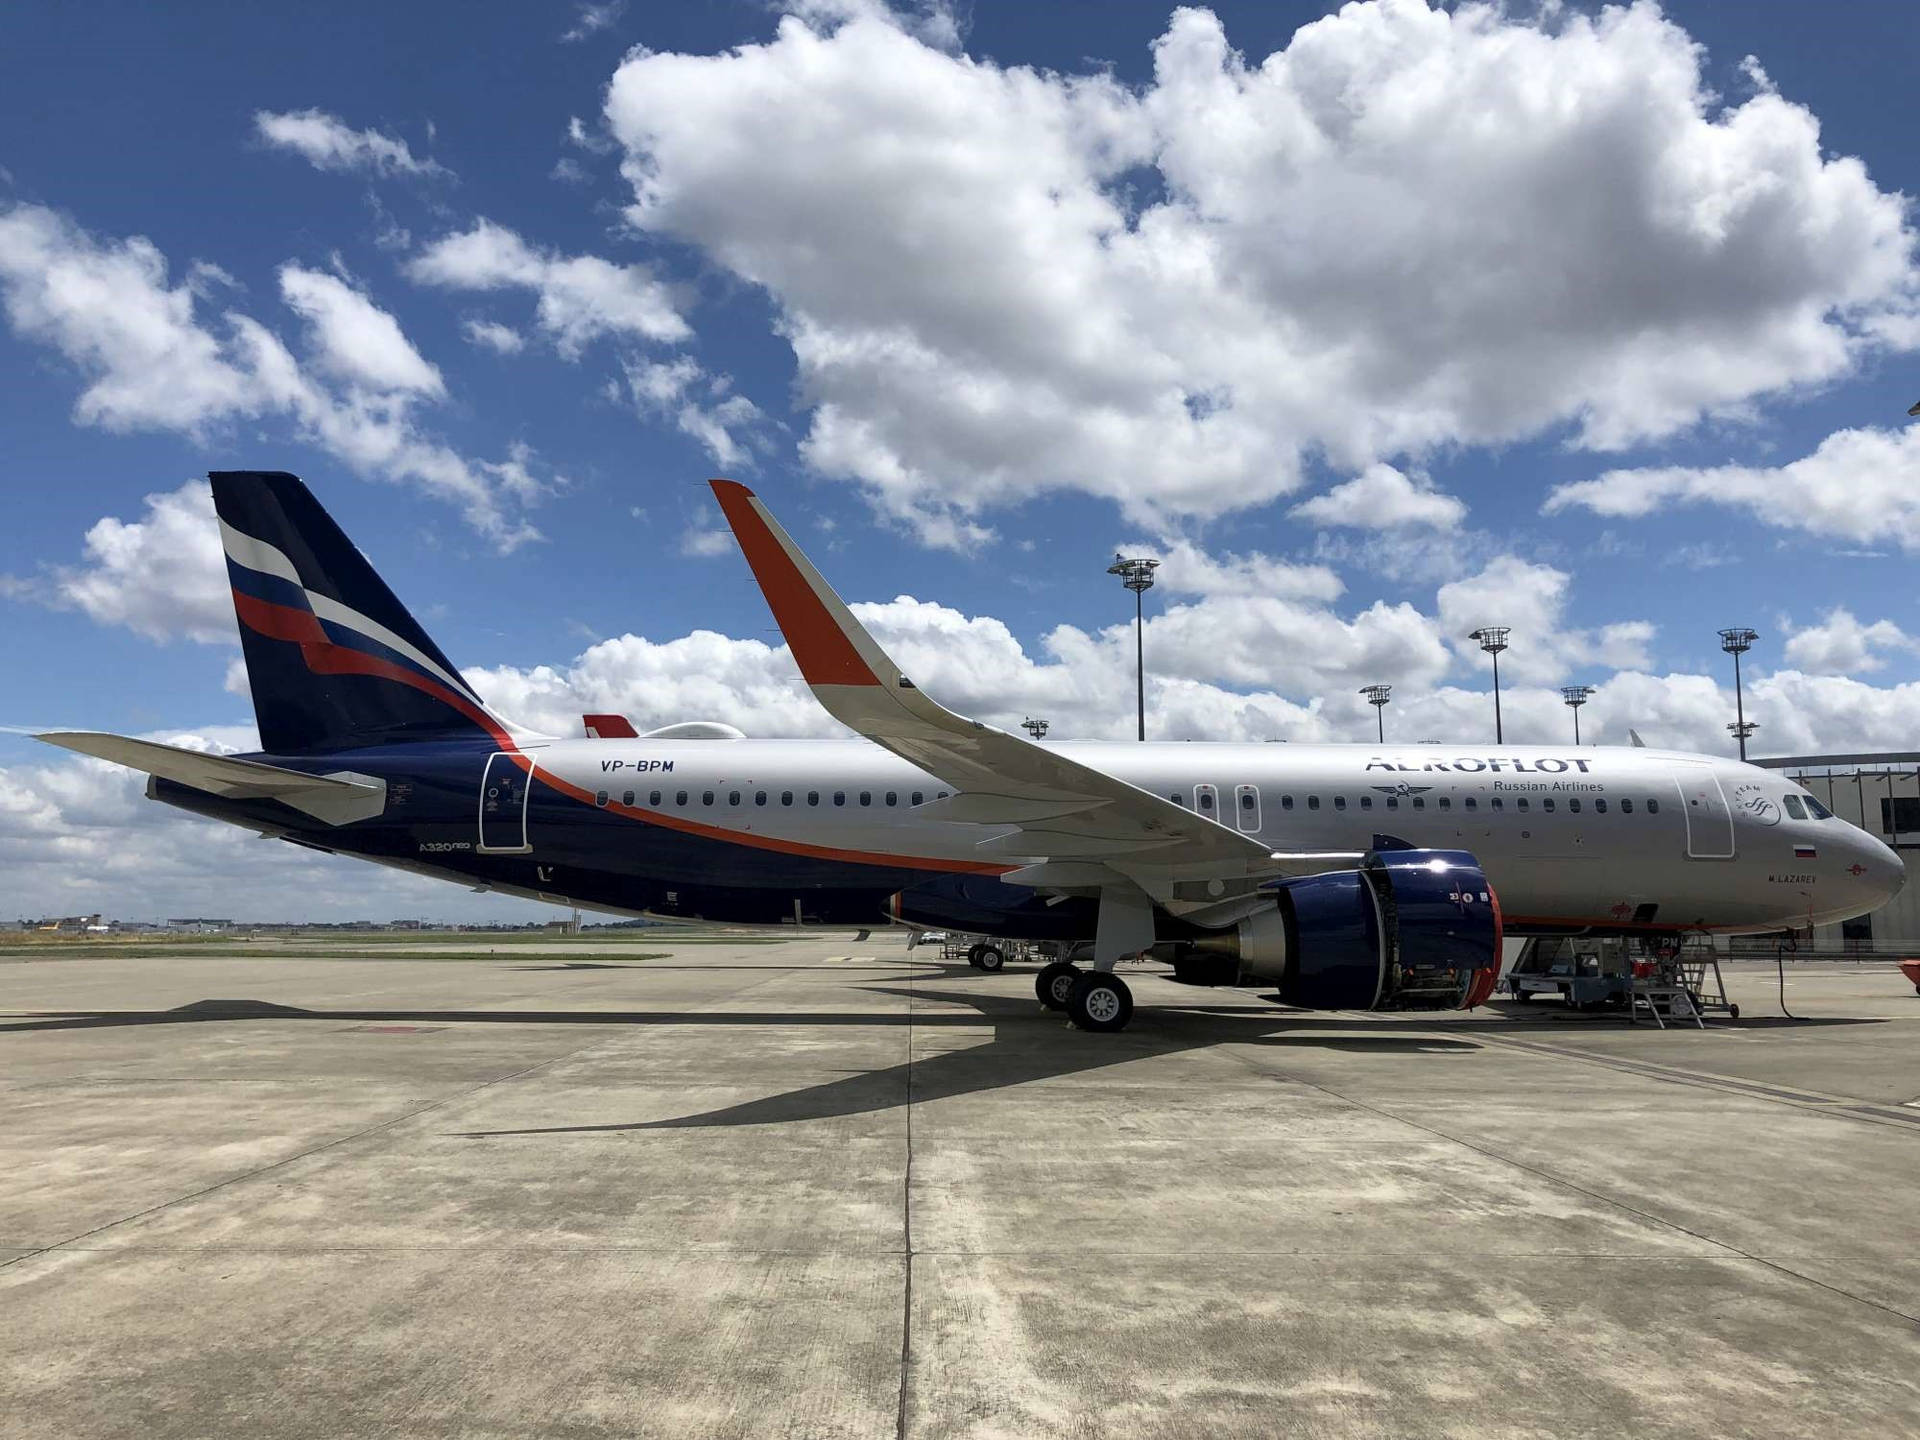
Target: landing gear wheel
(973, 955)
(1733, 1012)
(1054, 984)
(988, 958)
(1100, 1002)
(1523, 996)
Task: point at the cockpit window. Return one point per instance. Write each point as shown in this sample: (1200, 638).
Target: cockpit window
(1792, 802)
(1816, 809)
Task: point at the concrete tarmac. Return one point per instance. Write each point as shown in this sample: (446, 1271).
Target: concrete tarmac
(823, 1188)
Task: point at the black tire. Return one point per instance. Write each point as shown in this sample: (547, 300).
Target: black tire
(1523, 996)
(1054, 984)
(1100, 1002)
(1733, 1012)
(973, 955)
(991, 958)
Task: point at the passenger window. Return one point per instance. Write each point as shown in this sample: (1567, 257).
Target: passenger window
(1246, 800)
(1286, 802)
(1203, 798)
(1339, 802)
(1178, 799)
(1653, 807)
(1544, 804)
(1792, 802)
(759, 797)
(813, 797)
(706, 797)
(733, 797)
(786, 797)
(1393, 802)
(601, 798)
(1366, 802)
(1814, 808)
(1521, 803)
(1313, 802)
(1445, 803)
(1496, 803)
(1600, 807)
(679, 797)
(653, 797)
(626, 798)
(1626, 807)
(839, 797)
(866, 797)
(893, 797)
(1419, 802)
(1573, 807)
(1471, 803)
(917, 797)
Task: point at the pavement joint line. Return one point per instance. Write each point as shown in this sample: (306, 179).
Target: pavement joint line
(712, 1253)
(1579, 1189)
(906, 1235)
(205, 1190)
(1812, 1100)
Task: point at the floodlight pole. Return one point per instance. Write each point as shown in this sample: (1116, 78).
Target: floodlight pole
(1493, 639)
(1035, 728)
(1137, 575)
(1575, 696)
(1736, 642)
(1378, 696)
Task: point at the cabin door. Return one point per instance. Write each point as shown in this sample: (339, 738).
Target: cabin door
(503, 805)
(1709, 817)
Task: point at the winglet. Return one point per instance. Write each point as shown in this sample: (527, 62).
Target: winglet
(830, 646)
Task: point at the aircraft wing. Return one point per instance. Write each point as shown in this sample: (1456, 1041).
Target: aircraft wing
(335, 799)
(1078, 819)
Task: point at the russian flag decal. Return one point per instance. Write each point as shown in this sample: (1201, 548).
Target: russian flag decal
(1803, 852)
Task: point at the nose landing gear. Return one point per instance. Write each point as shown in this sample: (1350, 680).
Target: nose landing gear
(1054, 984)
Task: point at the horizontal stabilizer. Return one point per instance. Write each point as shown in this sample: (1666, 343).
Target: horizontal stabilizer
(336, 799)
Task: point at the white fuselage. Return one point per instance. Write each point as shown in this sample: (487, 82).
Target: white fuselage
(1586, 836)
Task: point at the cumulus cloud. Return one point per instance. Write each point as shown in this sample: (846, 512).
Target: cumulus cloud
(727, 426)
(581, 297)
(162, 575)
(1531, 600)
(1861, 485)
(1409, 228)
(1841, 645)
(355, 339)
(1383, 498)
(150, 362)
(328, 143)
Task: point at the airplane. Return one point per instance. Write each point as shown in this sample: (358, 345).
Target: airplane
(1370, 877)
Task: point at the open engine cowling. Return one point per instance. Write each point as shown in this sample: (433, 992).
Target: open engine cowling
(1410, 929)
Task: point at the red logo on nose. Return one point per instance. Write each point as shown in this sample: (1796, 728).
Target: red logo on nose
(1856, 869)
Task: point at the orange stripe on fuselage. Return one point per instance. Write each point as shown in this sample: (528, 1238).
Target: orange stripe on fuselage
(821, 648)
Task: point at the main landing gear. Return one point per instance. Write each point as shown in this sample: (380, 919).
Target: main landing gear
(1096, 1000)
(989, 958)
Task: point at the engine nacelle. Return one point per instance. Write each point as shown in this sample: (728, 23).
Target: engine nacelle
(1410, 929)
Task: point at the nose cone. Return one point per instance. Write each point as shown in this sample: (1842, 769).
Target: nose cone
(1882, 873)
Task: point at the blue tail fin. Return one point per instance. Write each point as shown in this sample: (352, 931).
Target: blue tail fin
(334, 660)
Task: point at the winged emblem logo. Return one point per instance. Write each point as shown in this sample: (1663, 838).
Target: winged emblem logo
(1403, 789)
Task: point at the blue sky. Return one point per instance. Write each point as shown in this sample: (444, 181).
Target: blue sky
(972, 299)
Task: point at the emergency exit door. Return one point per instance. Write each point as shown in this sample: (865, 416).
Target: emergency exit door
(504, 790)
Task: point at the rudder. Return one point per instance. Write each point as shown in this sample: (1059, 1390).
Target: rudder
(334, 660)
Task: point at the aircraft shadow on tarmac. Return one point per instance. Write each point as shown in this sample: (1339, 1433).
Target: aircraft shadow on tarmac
(1027, 1043)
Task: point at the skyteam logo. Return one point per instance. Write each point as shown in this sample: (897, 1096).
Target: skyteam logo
(1403, 789)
